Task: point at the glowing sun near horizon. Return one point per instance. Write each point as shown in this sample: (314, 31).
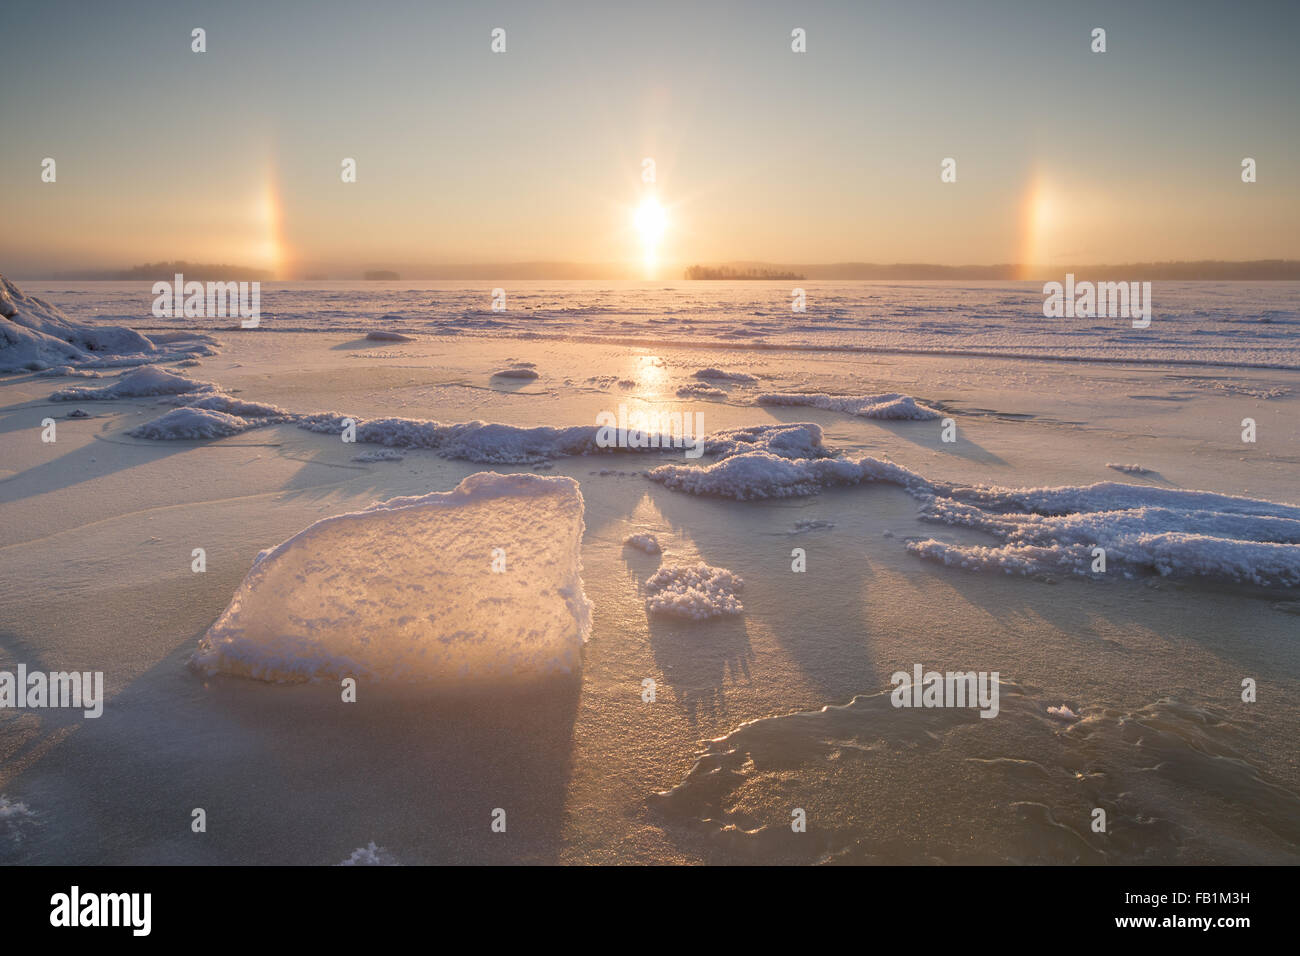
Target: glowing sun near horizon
(651, 222)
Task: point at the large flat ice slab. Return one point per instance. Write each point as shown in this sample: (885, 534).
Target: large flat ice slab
(415, 590)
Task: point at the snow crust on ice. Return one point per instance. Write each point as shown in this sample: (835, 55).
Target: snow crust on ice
(891, 405)
(205, 412)
(405, 591)
(379, 454)
(482, 442)
(477, 441)
(218, 401)
(1042, 530)
(763, 475)
(793, 440)
(143, 382)
(718, 375)
(1111, 495)
(490, 443)
(700, 390)
(191, 423)
(698, 593)
(1169, 531)
(67, 371)
(776, 461)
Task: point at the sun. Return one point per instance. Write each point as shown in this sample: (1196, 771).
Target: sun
(650, 222)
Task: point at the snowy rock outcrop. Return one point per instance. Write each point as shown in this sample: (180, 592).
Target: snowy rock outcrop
(34, 335)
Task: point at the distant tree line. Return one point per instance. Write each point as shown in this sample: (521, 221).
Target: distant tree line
(197, 271)
(727, 272)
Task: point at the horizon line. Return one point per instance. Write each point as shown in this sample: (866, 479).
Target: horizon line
(1274, 269)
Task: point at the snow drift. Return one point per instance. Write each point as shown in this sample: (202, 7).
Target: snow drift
(145, 382)
(191, 423)
(415, 590)
(891, 405)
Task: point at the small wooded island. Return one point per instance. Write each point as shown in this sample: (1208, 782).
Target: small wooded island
(726, 272)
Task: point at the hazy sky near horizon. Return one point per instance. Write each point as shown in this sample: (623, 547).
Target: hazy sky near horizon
(234, 155)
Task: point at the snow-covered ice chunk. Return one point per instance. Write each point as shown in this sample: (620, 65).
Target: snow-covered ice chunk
(380, 335)
(1170, 531)
(515, 371)
(698, 592)
(718, 375)
(1114, 495)
(483, 442)
(700, 390)
(760, 474)
(777, 461)
(643, 542)
(209, 414)
(1064, 712)
(221, 402)
(795, 440)
(407, 591)
(890, 405)
(143, 382)
(182, 424)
